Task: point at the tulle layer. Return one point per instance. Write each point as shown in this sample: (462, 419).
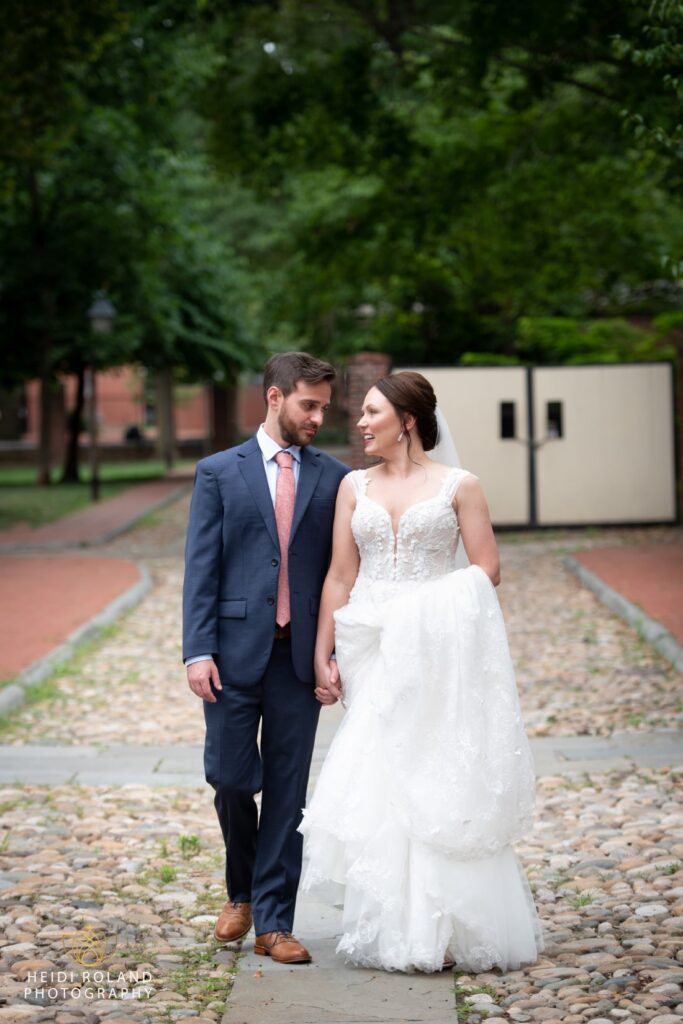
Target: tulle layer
(406, 906)
(427, 782)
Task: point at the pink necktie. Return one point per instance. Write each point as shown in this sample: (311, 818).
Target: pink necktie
(284, 511)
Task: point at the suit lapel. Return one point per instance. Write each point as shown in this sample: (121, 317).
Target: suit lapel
(250, 462)
(309, 475)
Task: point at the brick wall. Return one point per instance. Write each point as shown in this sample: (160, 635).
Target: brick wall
(363, 370)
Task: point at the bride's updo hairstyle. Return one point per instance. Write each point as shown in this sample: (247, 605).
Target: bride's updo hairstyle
(411, 394)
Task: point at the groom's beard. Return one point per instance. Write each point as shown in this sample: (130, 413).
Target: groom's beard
(293, 434)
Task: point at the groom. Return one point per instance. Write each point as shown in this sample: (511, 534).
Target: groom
(258, 548)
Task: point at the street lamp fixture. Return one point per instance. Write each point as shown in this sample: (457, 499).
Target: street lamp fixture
(101, 316)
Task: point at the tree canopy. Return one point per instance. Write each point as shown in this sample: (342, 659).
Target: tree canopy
(436, 180)
(105, 183)
(454, 169)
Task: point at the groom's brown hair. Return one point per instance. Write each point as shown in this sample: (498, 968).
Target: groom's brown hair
(285, 369)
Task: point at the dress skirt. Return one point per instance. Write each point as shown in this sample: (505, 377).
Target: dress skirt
(427, 783)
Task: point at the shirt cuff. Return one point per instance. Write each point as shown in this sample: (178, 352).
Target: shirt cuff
(198, 657)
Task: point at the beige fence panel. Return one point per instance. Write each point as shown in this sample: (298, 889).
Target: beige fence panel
(615, 460)
(471, 402)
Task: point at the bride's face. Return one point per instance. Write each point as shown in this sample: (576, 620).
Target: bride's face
(379, 424)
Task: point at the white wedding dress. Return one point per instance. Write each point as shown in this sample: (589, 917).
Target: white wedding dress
(429, 778)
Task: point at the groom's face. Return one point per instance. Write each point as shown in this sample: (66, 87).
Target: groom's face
(300, 414)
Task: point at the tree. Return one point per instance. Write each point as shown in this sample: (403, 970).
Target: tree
(455, 169)
(104, 184)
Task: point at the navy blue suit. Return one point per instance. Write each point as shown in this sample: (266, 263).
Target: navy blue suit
(232, 559)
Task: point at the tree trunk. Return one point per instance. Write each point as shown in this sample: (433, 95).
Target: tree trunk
(165, 418)
(45, 338)
(224, 427)
(45, 436)
(70, 474)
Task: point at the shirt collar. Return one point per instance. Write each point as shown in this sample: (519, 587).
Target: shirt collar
(270, 448)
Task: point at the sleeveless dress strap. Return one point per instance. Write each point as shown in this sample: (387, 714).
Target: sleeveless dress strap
(453, 481)
(358, 480)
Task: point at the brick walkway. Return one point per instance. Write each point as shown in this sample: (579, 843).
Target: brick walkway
(101, 521)
(46, 597)
(649, 575)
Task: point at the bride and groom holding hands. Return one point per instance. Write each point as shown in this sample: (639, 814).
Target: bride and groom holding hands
(306, 583)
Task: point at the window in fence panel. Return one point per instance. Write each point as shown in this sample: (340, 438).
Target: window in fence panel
(507, 419)
(554, 425)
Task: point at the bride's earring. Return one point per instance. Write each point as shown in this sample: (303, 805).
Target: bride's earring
(400, 436)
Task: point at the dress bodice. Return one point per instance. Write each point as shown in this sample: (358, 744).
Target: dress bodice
(425, 544)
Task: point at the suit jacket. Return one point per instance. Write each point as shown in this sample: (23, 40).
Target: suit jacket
(232, 560)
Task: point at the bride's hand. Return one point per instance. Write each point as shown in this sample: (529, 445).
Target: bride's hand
(328, 688)
(333, 680)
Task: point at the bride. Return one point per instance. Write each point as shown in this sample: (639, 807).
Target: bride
(429, 778)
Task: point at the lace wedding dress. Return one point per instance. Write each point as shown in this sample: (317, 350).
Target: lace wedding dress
(429, 778)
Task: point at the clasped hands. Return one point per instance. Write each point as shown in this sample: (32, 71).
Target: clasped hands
(327, 683)
(204, 680)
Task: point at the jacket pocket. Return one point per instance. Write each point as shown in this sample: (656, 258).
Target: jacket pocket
(232, 608)
(314, 605)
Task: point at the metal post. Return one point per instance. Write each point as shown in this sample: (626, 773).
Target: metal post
(531, 434)
(91, 400)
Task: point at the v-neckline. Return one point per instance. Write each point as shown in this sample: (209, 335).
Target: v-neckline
(416, 504)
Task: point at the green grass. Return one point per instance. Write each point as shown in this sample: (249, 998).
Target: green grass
(582, 900)
(46, 691)
(463, 1010)
(195, 969)
(189, 846)
(23, 502)
(34, 506)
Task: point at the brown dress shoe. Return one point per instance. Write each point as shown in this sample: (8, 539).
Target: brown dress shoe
(234, 922)
(282, 947)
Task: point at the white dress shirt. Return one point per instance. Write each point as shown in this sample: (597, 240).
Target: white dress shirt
(269, 449)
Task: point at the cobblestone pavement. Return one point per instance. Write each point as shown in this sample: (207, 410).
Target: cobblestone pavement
(580, 670)
(131, 873)
(140, 868)
(136, 872)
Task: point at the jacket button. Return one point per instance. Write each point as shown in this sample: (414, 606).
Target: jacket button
(274, 562)
(270, 600)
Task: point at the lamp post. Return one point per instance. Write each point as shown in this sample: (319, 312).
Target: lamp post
(101, 316)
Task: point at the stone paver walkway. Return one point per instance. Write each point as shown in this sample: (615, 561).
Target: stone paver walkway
(177, 765)
(133, 871)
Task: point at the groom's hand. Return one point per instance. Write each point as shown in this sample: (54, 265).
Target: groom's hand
(200, 676)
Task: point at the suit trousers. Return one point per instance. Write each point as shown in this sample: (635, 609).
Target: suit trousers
(262, 852)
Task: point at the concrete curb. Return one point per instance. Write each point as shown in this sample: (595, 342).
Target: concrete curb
(14, 695)
(648, 628)
(9, 548)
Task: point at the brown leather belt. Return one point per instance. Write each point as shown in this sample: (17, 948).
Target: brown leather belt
(283, 632)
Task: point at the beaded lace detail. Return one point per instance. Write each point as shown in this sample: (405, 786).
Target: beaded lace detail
(427, 539)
